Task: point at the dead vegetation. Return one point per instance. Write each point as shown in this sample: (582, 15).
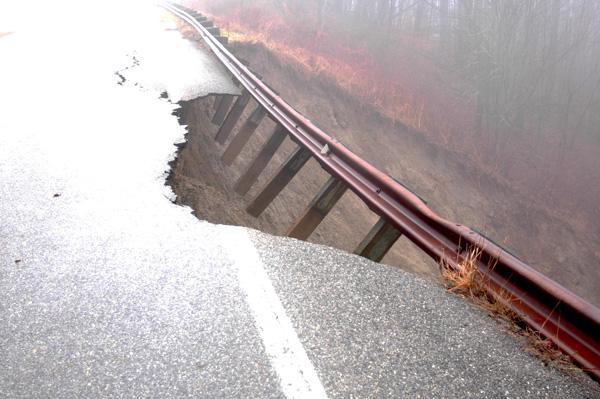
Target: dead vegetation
(469, 281)
(440, 108)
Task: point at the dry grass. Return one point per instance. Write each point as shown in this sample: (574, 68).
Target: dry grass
(362, 79)
(467, 280)
(544, 349)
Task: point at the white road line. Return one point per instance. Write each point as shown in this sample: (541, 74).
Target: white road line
(298, 377)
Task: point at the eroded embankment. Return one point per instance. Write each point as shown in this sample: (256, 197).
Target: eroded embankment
(202, 180)
(451, 186)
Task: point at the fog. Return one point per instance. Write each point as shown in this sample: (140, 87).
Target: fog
(507, 88)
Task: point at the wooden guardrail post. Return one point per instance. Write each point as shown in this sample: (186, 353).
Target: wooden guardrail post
(222, 109)
(242, 137)
(217, 102)
(197, 16)
(318, 208)
(224, 40)
(259, 164)
(558, 314)
(284, 175)
(233, 116)
(378, 241)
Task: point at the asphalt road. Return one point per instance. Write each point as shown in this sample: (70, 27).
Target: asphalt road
(108, 289)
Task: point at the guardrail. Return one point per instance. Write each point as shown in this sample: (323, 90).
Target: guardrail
(558, 314)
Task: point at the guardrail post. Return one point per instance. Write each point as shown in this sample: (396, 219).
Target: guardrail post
(217, 102)
(259, 164)
(284, 175)
(378, 241)
(232, 117)
(240, 139)
(195, 14)
(222, 109)
(318, 208)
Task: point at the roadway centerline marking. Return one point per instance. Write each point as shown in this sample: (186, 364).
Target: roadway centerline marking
(297, 375)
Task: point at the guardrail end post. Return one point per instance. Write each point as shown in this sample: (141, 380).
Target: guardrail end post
(318, 209)
(378, 241)
(284, 175)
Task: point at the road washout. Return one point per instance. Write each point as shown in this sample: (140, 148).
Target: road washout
(443, 178)
(118, 292)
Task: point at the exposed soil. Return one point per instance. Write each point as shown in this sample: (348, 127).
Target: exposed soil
(557, 244)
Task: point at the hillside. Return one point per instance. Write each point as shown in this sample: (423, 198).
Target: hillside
(442, 177)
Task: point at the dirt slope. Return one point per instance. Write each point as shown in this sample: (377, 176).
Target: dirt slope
(557, 244)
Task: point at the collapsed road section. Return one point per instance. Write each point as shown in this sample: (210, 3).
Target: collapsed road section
(557, 313)
(108, 289)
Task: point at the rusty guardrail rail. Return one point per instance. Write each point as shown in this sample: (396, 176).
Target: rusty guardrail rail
(570, 322)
